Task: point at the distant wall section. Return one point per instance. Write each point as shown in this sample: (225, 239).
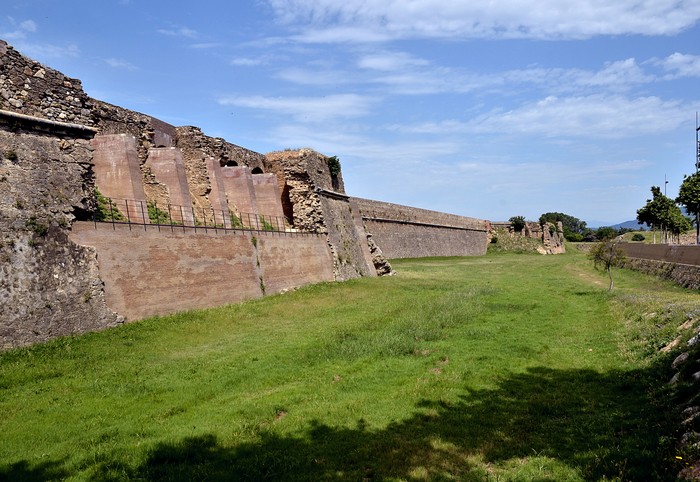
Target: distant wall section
(408, 232)
(679, 263)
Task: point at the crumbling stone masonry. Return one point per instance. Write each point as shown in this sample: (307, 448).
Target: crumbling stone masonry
(49, 286)
(320, 205)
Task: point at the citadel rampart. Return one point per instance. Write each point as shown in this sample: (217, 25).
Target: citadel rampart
(149, 272)
(679, 263)
(406, 232)
(63, 275)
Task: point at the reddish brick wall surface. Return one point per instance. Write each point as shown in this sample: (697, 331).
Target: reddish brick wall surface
(155, 272)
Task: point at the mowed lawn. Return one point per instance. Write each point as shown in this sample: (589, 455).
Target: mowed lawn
(502, 367)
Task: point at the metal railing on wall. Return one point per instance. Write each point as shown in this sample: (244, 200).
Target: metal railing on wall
(147, 214)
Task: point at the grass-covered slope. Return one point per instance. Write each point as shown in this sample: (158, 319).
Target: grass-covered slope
(500, 367)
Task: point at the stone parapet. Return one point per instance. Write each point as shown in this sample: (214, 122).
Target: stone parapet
(30, 88)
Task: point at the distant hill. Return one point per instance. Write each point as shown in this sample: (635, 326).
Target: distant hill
(633, 224)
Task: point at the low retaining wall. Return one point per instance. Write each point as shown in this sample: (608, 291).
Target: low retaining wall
(680, 263)
(148, 273)
(408, 232)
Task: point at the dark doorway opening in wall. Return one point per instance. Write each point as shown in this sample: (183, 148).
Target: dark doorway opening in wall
(287, 206)
(231, 164)
(257, 170)
(335, 182)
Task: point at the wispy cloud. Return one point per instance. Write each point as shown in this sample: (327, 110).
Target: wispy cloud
(679, 65)
(206, 45)
(363, 21)
(389, 61)
(179, 32)
(303, 76)
(120, 64)
(594, 116)
(249, 61)
(308, 109)
(19, 30)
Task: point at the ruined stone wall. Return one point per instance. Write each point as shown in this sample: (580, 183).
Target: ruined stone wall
(48, 285)
(408, 232)
(550, 235)
(152, 272)
(320, 205)
(202, 154)
(30, 88)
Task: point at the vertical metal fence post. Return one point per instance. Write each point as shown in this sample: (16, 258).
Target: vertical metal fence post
(111, 213)
(155, 208)
(182, 219)
(128, 215)
(143, 215)
(170, 219)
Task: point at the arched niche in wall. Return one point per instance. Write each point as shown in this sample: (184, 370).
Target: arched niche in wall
(257, 170)
(231, 163)
(287, 205)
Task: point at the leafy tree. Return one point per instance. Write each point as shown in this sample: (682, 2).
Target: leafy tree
(606, 255)
(678, 223)
(689, 197)
(660, 212)
(518, 223)
(605, 233)
(574, 228)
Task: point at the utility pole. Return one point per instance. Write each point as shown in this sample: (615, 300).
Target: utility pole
(697, 169)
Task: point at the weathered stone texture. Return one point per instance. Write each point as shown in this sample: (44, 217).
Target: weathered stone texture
(407, 232)
(320, 205)
(30, 88)
(49, 285)
(679, 263)
(200, 153)
(550, 235)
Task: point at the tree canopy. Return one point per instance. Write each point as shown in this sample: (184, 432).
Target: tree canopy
(661, 212)
(689, 197)
(574, 228)
(518, 223)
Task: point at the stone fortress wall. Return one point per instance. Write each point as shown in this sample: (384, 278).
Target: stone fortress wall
(64, 274)
(407, 232)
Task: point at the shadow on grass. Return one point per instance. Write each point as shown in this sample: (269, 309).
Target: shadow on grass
(25, 472)
(600, 425)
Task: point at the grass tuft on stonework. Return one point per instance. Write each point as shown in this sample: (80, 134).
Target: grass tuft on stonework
(500, 367)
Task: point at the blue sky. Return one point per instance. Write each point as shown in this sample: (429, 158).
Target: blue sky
(485, 109)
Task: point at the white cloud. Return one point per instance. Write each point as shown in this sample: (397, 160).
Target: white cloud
(206, 45)
(389, 61)
(315, 77)
(379, 20)
(20, 30)
(120, 64)
(307, 109)
(248, 62)
(47, 51)
(680, 65)
(594, 116)
(179, 32)
(28, 26)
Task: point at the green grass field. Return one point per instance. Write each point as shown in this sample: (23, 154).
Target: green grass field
(503, 367)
